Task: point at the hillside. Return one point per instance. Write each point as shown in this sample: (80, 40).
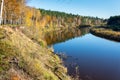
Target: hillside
(24, 59)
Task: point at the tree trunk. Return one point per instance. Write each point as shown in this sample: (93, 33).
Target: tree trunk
(1, 12)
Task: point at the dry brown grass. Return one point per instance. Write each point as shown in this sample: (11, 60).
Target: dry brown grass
(106, 33)
(34, 60)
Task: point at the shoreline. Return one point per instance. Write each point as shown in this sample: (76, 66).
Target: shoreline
(106, 33)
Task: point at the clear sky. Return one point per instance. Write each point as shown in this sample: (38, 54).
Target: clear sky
(99, 8)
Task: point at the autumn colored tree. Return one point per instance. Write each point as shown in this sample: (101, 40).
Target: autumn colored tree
(16, 12)
(12, 11)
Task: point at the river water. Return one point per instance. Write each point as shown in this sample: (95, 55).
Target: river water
(88, 56)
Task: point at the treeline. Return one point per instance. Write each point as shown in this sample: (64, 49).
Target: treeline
(35, 22)
(61, 19)
(114, 22)
(16, 12)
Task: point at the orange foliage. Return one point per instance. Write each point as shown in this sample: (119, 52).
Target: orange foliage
(15, 77)
(12, 10)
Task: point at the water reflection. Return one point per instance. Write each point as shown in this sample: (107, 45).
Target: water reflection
(54, 37)
(95, 58)
(91, 57)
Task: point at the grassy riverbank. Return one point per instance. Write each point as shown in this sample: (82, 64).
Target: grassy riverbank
(21, 58)
(106, 33)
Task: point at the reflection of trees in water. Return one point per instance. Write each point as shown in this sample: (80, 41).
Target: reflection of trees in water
(63, 35)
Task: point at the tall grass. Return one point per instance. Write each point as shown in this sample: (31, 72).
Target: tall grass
(106, 33)
(34, 60)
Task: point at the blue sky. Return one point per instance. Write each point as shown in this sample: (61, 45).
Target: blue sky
(99, 8)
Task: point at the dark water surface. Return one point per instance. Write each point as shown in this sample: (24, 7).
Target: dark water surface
(91, 57)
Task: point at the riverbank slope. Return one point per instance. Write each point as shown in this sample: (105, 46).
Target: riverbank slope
(23, 59)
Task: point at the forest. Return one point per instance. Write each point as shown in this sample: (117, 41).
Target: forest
(114, 23)
(16, 12)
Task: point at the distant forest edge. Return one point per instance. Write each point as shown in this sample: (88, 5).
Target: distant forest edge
(114, 23)
(62, 19)
(17, 13)
(109, 31)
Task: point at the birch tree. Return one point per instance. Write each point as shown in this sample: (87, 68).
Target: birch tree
(1, 11)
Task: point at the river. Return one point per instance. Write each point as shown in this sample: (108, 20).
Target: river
(88, 56)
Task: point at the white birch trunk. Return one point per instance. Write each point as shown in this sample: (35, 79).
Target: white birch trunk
(1, 12)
